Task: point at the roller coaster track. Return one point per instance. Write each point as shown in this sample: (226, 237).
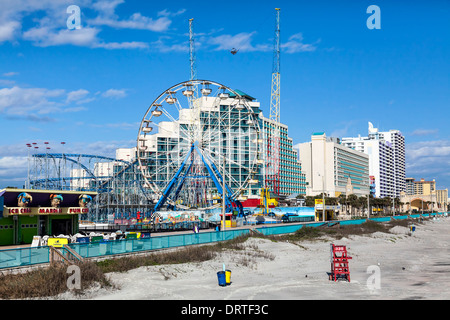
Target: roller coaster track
(69, 157)
(106, 180)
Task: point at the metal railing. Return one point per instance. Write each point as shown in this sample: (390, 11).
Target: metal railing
(11, 258)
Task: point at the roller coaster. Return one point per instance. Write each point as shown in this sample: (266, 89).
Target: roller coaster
(117, 182)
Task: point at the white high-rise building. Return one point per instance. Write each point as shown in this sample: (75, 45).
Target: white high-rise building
(386, 152)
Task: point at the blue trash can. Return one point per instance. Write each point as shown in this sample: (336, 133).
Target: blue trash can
(221, 278)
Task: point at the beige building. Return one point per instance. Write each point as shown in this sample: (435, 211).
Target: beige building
(423, 195)
(424, 187)
(442, 199)
(332, 167)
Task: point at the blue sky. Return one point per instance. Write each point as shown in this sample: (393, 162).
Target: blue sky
(91, 87)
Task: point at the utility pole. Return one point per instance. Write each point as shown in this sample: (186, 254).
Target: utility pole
(393, 205)
(323, 198)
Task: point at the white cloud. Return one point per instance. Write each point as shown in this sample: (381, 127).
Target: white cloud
(108, 17)
(8, 30)
(136, 21)
(160, 46)
(107, 7)
(429, 160)
(424, 132)
(122, 125)
(13, 171)
(84, 37)
(51, 30)
(101, 148)
(438, 148)
(41, 104)
(45, 36)
(167, 13)
(114, 93)
(241, 41)
(7, 83)
(10, 74)
(295, 44)
(123, 45)
(18, 101)
(76, 95)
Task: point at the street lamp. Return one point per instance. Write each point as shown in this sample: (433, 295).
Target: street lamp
(323, 195)
(223, 195)
(368, 205)
(28, 162)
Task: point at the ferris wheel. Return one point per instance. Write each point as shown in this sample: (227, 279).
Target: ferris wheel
(197, 141)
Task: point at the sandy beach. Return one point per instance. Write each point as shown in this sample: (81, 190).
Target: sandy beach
(410, 266)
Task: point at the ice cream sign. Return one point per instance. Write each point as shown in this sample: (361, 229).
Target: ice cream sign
(15, 211)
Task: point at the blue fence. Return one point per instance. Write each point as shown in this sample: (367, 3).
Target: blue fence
(11, 258)
(105, 248)
(350, 222)
(381, 219)
(24, 257)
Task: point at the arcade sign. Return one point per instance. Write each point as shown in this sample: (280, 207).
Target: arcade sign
(20, 211)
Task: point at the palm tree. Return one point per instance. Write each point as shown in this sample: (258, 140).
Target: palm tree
(342, 200)
(362, 204)
(428, 204)
(387, 203)
(352, 201)
(309, 201)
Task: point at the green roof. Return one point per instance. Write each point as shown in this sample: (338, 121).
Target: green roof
(242, 94)
(318, 133)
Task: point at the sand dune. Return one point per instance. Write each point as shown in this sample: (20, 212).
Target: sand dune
(413, 266)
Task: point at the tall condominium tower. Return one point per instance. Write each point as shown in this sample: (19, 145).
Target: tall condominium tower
(386, 152)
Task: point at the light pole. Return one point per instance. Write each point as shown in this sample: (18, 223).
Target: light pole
(368, 205)
(393, 205)
(35, 163)
(323, 195)
(63, 168)
(223, 194)
(323, 199)
(28, 162)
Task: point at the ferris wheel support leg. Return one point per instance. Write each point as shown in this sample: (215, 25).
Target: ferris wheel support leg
(171, 184)
(180, 186)
(216, 179)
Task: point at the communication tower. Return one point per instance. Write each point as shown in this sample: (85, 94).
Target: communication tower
(272, 180)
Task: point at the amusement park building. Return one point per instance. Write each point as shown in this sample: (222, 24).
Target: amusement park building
(27, 213)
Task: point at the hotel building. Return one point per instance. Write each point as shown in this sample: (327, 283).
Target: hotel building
(386, 151)
(332, 167)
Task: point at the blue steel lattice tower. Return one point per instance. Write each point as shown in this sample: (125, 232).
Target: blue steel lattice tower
(272, 180)
(193, 65)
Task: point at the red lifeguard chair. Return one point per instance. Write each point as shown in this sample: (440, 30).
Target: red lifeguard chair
(339, 263)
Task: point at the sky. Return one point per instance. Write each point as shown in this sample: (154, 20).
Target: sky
(90, 86)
